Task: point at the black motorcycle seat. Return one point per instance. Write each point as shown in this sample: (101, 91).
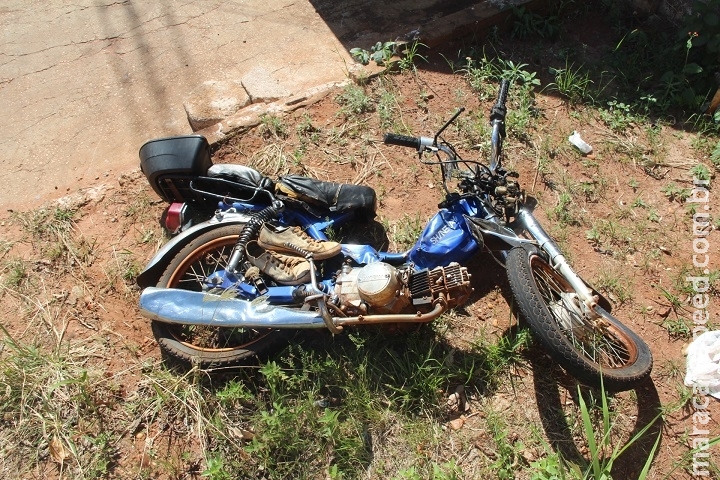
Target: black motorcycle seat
(336, 197)
(241, 174)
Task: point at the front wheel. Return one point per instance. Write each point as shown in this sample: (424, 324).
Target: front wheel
(208, 346)
(586, 347)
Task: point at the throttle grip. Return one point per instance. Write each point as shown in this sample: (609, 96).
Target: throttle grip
(402, 140)
(503, 93)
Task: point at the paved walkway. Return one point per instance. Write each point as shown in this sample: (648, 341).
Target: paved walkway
(84, 83)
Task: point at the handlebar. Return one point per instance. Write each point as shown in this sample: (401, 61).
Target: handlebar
(405, 141)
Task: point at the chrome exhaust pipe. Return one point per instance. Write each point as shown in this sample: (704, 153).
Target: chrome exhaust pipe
(185, 307)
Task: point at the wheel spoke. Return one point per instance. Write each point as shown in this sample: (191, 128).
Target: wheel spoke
(192, 274)
(599, 343)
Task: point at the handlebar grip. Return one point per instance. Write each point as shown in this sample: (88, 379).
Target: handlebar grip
(503, 93)
(497, 112)
(402, 140)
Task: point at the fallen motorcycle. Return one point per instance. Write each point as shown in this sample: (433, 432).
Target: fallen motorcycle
(211, 304)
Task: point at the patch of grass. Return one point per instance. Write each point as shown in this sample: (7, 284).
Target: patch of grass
(354, 101)
(678, 327)
(564, 212)
(599, 441)
(506, 450)
(615, 284)
(571, 82)
(52, 232)
(388, 109)
(14, 273)
(273, 126)
(618, 116)
(55, 409)
(404, 233)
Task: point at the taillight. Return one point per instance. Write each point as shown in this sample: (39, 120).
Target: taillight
(175, 217)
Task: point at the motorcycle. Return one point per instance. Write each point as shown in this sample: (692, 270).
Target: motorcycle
(209, 306)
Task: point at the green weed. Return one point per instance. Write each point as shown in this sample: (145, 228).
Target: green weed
(273, 126)
(599, 441)
(354, 101)
(380, 53)
(675, 193)
(411, 56)
(570, 82)
(563, 212)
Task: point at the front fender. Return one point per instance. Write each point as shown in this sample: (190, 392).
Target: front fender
(156, 266)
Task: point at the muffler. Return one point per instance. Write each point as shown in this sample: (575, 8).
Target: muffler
(185, 307)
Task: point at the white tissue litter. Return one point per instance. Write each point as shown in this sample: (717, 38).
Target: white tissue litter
(579, 143)
(703, 363)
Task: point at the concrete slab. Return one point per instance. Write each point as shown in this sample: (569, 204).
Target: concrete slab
(83, 83)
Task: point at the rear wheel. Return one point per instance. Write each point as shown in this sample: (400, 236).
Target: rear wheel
(204, 345)
(588, 347)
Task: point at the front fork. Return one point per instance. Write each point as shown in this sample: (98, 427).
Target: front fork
(558, 261)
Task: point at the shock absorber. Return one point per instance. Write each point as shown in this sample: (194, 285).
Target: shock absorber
(250, 231)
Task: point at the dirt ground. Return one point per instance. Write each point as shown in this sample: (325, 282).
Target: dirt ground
(612, 211)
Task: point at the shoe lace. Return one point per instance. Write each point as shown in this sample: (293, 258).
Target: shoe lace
(301, 233)
(286, 262)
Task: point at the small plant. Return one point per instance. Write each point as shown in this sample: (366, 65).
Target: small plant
(354, 101)
(273, 126)
(379, 53)
(600, 465)
(405, 232)
(387, 108)
(594, 237)
(618, 116)
(570, 82)
(615, 285)
(675, 193)
(411, 56)
(701, 172)
(715, 156)
(677, 327)
(562, 211)
(15, 273)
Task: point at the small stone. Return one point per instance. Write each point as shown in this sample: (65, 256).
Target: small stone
(457, 424)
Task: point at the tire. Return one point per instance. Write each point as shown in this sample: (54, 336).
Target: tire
(202, 345)
(586, 351)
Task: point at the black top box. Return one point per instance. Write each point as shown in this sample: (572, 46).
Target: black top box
(170, 163)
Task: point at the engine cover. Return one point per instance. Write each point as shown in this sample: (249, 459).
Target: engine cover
(374, 288)
(378, 283)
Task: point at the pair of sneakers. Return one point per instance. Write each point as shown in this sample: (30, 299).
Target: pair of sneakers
(277, 253)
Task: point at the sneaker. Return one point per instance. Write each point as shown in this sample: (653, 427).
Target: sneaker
(283, 239)
(283, 269)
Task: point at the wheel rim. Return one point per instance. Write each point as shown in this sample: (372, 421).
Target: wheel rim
(191, 275)
(598, 340)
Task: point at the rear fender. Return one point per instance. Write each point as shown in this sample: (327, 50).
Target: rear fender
(155, 268)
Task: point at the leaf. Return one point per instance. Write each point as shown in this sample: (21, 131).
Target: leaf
(692, 69)
(57, 450)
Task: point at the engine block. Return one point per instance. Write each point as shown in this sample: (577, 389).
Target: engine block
(453, 280)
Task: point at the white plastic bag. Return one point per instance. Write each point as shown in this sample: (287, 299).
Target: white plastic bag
(703, 363)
